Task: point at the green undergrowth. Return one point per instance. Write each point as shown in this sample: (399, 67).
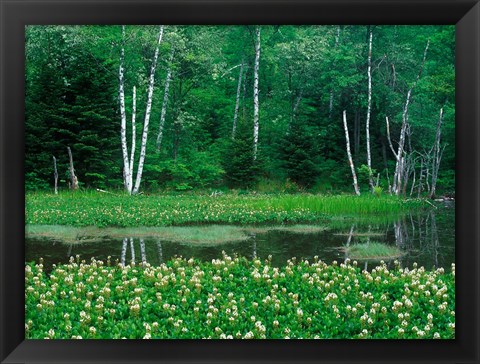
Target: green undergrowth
(237, 298)
(99, 209)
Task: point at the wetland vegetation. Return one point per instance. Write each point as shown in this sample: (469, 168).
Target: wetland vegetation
(236, 298)
(105, 210)
(239, 182)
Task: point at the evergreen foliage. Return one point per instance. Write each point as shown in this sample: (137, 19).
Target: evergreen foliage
(308, 76)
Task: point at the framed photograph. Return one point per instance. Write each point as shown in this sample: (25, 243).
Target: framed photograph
(177, 173)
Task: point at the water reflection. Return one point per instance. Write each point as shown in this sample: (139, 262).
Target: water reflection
(425, 238)
(160, 251)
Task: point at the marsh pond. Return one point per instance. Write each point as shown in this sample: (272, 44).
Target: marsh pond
(426, 237)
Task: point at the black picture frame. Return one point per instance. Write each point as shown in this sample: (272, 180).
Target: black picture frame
(15, 14)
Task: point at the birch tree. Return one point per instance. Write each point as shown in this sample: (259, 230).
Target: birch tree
(237, 99)
(128, 164)
(330, 103)
(165, 98)
(244, 92)
(369, 110)
(349, 154)
(127, 170)
(134, 137)
(255, 92)
(151, 82)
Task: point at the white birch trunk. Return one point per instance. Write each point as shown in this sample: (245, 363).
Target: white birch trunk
(436, 155)
(244, 92)
(55, 174)
(127, 178)
(73, 178)
(165, 100)
(134, 136)
(330, 104)
(148, 110)
(255, 93)
(237, 100)
(349, 154)
(369, 110)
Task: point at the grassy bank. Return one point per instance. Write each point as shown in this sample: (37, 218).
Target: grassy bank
(101, 210)
(237, 298)
(372, 251)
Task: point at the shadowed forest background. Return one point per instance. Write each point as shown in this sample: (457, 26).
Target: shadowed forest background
(201, 124)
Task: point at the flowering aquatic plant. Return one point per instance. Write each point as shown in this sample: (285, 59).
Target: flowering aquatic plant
(237, 298)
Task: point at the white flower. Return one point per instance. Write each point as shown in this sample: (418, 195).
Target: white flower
(248, 335)
(51, 333)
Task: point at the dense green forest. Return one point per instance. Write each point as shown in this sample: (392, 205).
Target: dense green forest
(263, 108)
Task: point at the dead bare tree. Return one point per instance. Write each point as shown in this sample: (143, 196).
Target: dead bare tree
(437, 155)
(73, 178)
(55, 174)
(400, 155)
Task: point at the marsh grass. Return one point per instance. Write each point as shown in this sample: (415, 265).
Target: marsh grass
(346, 205)
(372, 251)
(105, 210)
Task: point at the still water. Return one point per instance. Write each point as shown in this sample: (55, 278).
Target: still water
(427, 238)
